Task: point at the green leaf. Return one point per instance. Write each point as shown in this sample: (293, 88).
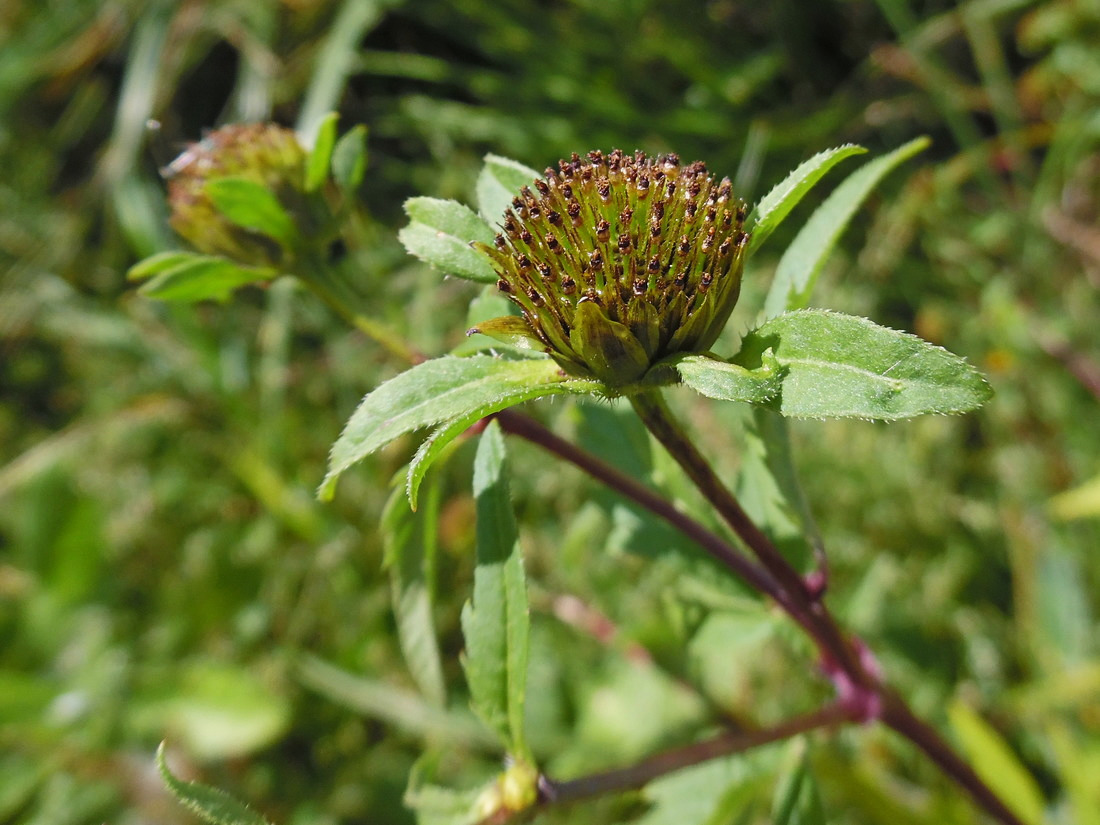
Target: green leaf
(409, 546)
(320, 157)
(443, 390)
(996, 764)
(729, 382)
(495, 624)
(212, 805)
(436, 805)
(188, 277)
(785, 195)
(797, 801)
(802, 262)
(500, 181)
(349, 159)
(837, 365)
(253, 206)
(440, 235)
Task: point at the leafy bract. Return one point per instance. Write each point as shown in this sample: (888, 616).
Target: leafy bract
(189, 276)
(440, 234)
(785, 195)
(253, 206)
(500, 181)
(836, 365)
(349, 159)
(443, 390)
(212, 805)
(730, 382)
(320, 157)
(801, 263)
(495, 624)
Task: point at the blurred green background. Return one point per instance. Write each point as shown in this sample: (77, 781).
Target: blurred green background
(165, 571)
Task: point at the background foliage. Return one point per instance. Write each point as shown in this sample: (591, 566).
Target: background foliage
(166, 570)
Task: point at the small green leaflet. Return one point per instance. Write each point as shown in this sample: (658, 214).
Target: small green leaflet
(443, 391)
(802, 262)
(320, 157)
(500, 181)
(189, 276)
(212, 805)
(841, 366)
(253, 206)
(496, 624)
(785, 195)
(349, 159)
(730, 382)
(440, 233)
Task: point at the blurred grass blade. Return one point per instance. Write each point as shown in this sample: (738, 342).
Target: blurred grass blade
(500, 181)
(802, 262)
(495, 624)
(841, 366)
(336, 59)
(210, 804)
(409, 543)
(797, 801)
(785, 195)
(996, 763)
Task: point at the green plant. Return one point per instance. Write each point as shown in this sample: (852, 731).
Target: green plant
(624, 271)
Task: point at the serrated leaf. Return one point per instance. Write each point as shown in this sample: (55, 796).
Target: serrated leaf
(320, 156)
(995, 762)
(785, 195)
(495, 623)
(841, 366)
(409, 548)
(254, 207)
(802, 262)
(212, 805)
(729, 382)
(349, 159)
(189, 277)
(443, 390)
(500, 181)
(440, 234)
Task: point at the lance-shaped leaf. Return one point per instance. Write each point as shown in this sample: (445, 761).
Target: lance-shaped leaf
(210, 804)
(443, 390)
(349, 159)
(253, 206)
(785, 195)
(495, 624)
(500, 181)
(802, 262)
(730, 382)
(440, 235)
(320, 157)
(409, 549)
(189, 276)
(840, 366)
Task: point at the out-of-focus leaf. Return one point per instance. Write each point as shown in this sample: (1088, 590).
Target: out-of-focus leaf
(715, 792)
(440, 234)
(840, 366)
(212, 805)
(500, 181)
(254, 207)
(785, 195)
(797, 801)
(443, 390)
(1080, 502)
(409, 544)
(995, 762)
(495, 624)
(349, 159)
(189, 277)
(320, 156)
(801, 263)
(435, 805)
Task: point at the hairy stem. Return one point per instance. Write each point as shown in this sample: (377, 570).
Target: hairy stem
(637, 776)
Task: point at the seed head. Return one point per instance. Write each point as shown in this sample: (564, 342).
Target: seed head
(617, 261)
(260, 152)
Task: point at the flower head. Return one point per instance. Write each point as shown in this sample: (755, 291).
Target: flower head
(261, 153)
(617, 261)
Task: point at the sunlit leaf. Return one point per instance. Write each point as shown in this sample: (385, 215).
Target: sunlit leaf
(320, 156)
(349, 159)
(730, 382)
(212, 805)
(499, 182)
(190, 277)
(440, 234)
